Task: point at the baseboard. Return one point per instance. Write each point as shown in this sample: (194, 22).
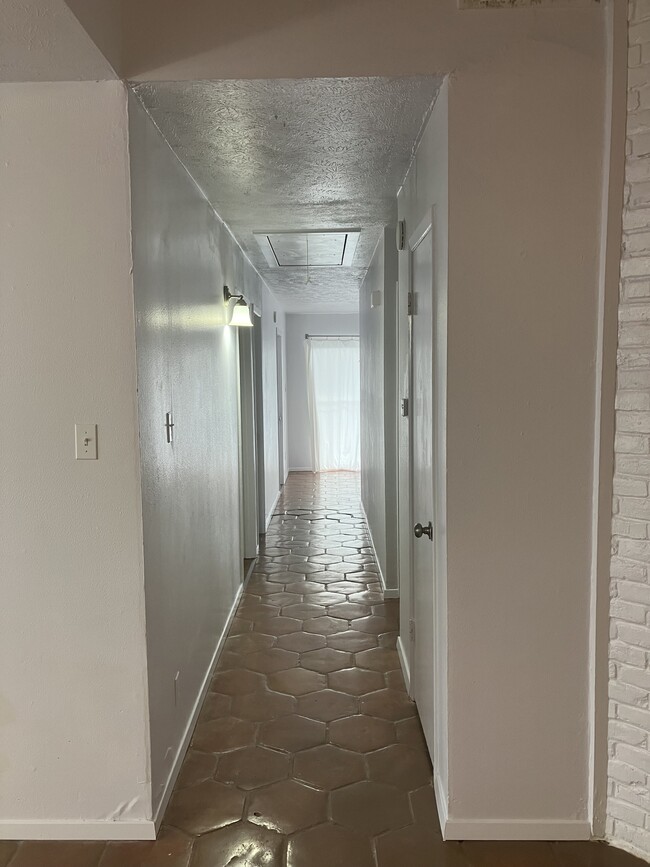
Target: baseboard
(143, 829)
(300, 470)
(389, 592)
(515, 829)
(159, 811)
(404, 662)
(272, 510)
(441, 803)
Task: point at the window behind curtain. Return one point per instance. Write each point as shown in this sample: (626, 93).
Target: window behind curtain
(333, 385)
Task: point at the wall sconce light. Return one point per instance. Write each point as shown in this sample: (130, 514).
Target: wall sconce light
(237, 310)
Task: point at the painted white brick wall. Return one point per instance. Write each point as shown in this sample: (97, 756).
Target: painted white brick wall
(628, 806)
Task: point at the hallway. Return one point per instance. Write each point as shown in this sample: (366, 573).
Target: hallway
(308, 751)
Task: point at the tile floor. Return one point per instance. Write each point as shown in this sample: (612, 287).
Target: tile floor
(308, 751)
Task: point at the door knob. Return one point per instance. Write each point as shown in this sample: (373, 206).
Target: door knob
(420, 531)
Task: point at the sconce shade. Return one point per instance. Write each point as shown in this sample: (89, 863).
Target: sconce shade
(241, 315)
(237, 310)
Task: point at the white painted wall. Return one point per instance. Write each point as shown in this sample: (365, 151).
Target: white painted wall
(299, 455)
(378, 333)
(187, 362)
(525, 142)
(74, 740)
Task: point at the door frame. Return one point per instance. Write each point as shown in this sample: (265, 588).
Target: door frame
(280, 393)
(258, 390)
(406, 642)
(425, 227)
(248, 445)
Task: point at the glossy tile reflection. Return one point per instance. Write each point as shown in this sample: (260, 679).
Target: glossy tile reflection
(308, 751)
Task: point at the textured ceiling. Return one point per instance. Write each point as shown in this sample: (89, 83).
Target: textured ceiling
(297, 154)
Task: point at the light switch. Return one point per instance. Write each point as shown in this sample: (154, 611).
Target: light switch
(85, 442)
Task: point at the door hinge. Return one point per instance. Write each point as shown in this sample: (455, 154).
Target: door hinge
(412, 630)
(409, 304)
(405, 407)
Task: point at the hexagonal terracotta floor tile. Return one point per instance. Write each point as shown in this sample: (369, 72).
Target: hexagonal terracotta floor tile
(303, 610)
(325, 660)
(419, 846)
(311, 568)
(287, 807)
(263, 705)
(375, 625)
(329, 767)
(242, 844)
(204, 807)
(215, 706)
(277, 625)
(387, 639)
(325, 625)
(512, 852)
(328, 845)
(352, 640)
(341, 550)
(252, 767)
(409, 731)
(171, 848)
(302, 641)
(347, 587)
(281, 597)
(325, 597)
(395, 680)
(269, 566)
(297, 681)
(389, 704)
(221, 735)
(327, 705)
(349, 610)
(256, 610)
(400, 765)
(237, 626)
(423, 807)
(362, 733)
(259, 585)
(197, 767)
(291, 559)
(292, 733)
(366, 597)
(229, 661)
(34, 853)
(274, 659)
(236, 682)
(345, 568)
(356, 681)
(248, 642)
(371, 808)
(378, 659)
(326, 579)
(326, 559)
(303, 588)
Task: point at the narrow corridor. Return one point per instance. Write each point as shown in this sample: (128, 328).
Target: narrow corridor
(308, 751)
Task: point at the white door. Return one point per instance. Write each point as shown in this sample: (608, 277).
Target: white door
(422, 473)
(278, 352)
(249, 512)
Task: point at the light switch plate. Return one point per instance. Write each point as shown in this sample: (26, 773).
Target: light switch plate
(85, 442)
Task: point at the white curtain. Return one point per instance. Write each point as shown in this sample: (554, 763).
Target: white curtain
(333, 387)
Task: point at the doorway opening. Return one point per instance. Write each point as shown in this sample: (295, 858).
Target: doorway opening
(333, 394)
